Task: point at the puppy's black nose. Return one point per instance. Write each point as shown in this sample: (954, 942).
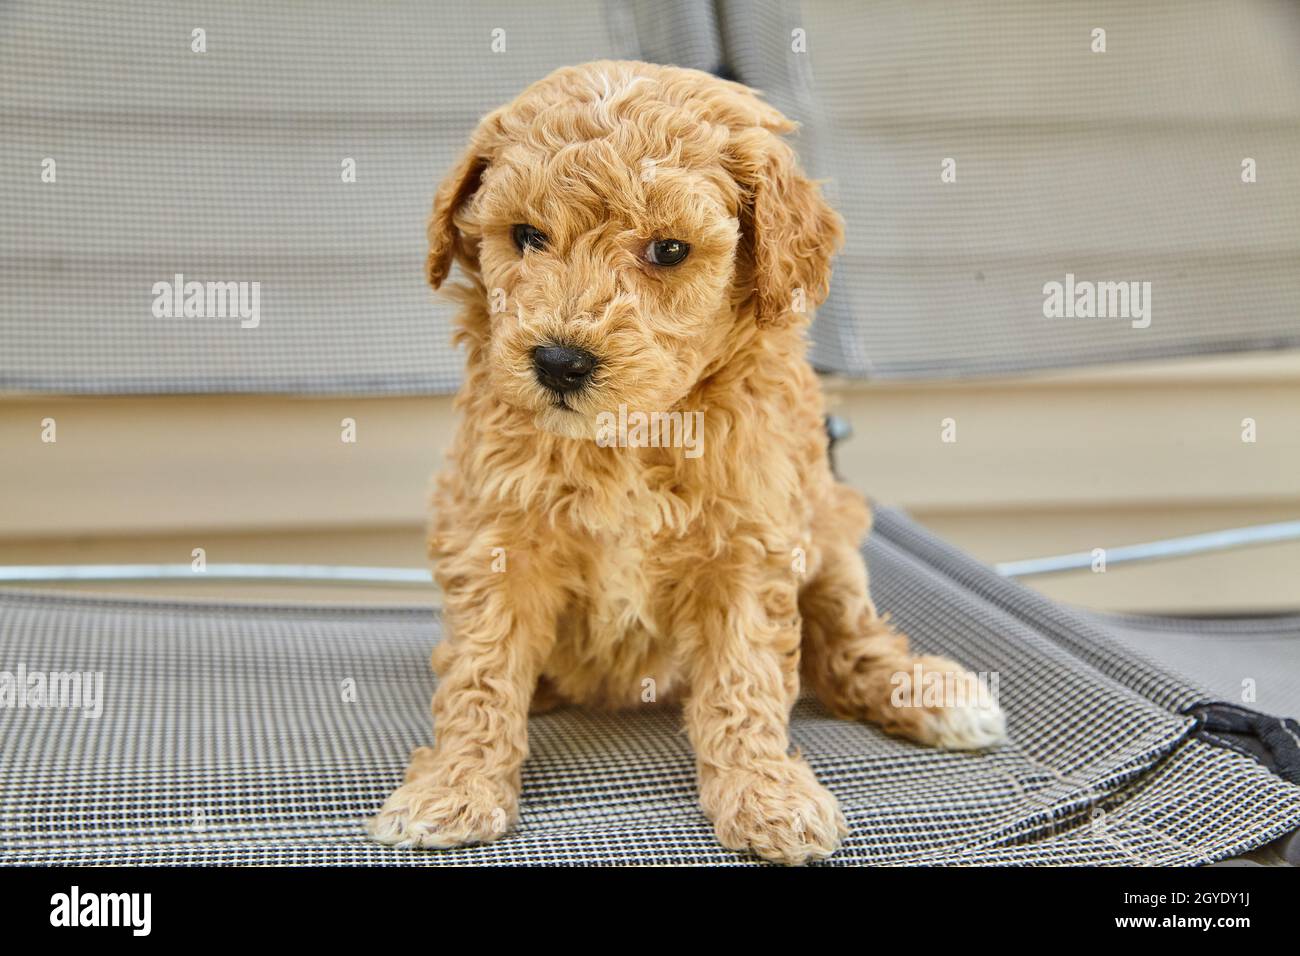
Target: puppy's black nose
(563, 369)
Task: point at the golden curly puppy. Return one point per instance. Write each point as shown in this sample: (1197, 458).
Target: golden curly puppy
(643, 251)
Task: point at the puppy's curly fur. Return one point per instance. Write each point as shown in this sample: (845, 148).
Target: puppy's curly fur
(577, 572)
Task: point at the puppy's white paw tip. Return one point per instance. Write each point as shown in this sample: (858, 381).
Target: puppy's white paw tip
(976, 726)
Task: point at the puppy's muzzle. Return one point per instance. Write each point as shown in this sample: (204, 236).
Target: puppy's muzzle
(563, 369)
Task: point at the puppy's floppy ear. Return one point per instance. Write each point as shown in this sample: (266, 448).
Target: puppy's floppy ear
(444, 238)
(790, 231)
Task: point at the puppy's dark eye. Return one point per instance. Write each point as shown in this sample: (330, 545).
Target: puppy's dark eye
(666, 252)
(527, 237)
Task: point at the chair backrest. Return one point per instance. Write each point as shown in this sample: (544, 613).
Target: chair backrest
(128, 158)
(980, 151)
(228, 166)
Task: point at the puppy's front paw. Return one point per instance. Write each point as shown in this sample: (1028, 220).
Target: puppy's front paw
(972, 725)
(947, 707)
(776, 809)
(425, 813)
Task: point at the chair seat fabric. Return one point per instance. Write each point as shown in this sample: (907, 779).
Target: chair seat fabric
(254, 734)
(1252, 662)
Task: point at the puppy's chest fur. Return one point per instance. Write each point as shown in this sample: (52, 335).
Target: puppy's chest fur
(614, 645)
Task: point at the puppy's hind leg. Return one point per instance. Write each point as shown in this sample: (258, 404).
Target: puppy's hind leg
(861, 668)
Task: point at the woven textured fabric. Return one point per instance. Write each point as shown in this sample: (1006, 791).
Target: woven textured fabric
(1250, 662)
(1122, 166)
(228, 736)
(227, 166)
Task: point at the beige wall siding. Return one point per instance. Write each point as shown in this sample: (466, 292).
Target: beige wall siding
(1043, 465)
